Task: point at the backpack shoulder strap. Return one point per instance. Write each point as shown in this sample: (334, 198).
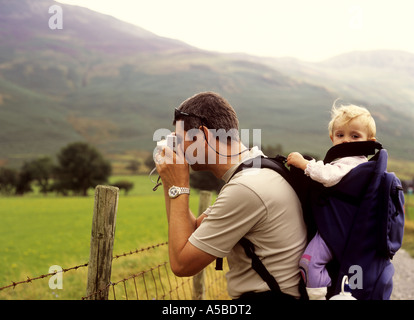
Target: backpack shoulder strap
(277, 164)
(361, 148)
(259, 267)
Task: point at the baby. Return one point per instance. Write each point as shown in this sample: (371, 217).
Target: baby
(349, 123)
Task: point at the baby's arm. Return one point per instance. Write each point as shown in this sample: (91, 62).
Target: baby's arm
(328, 174)
(297, 160)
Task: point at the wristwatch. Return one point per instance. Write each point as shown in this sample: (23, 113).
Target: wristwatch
(174, 191)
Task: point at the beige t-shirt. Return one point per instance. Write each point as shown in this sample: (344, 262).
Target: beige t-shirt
(260, 205)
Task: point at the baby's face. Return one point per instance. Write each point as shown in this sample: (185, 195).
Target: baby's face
(352, 131)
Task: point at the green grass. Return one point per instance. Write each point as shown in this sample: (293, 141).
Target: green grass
(409, 206)
(408, 239)
(37, 232)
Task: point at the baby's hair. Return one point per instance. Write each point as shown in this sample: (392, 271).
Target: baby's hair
(346, 113)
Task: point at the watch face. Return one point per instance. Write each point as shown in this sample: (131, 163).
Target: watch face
(173, 192)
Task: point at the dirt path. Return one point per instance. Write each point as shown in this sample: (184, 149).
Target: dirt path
(403, 277)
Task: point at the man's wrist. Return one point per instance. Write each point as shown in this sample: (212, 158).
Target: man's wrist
(175, 191)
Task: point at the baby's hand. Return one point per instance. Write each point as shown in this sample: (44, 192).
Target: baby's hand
(297, 160)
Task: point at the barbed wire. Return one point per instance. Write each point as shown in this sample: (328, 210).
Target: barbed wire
(163, 285)
(140, 250)
(155, 283)
(29, 280)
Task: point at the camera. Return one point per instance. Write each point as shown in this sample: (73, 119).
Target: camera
(170, 142)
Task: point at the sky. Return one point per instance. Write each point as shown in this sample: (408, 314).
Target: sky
(310, 30)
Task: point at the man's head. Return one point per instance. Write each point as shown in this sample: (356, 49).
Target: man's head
(210, 110)
(209, 128)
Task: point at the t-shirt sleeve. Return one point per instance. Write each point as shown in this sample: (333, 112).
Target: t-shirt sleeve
(236, 211)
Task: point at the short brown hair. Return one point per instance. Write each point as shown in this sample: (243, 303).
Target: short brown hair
(217, 111)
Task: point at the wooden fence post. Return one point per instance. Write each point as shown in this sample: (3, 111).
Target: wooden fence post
(102, 241)
(198, 279)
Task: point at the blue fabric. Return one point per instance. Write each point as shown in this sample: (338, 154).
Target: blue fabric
(361, 220)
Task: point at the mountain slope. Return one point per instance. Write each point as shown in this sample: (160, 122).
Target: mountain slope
(23, 21)
(375, 77)
(113, 84)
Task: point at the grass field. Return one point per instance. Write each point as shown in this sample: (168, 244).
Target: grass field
(408, 240)
(37, 232)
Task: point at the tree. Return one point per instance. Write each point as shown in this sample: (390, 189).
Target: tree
(8, 180)
(24, 183)
(41, 171)
(149, 162)
(80, 167)
(124, 185)
(134, 166)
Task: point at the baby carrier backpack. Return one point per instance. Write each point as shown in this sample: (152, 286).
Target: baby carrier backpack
(361, 219)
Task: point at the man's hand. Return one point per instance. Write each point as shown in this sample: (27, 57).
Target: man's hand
(172, 168)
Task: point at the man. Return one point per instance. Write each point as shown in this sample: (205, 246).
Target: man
(257, 204)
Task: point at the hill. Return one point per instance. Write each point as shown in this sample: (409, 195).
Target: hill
(376, 77)
(113, 84)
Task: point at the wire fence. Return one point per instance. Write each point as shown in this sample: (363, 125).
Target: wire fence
(154, 279)
(155, 282)
(43, 276)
